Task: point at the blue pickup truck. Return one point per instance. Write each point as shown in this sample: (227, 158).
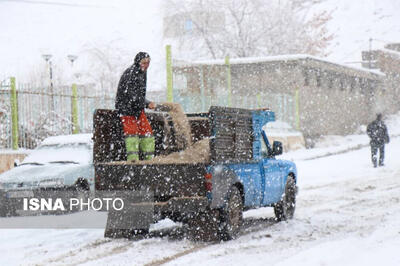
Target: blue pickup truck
(229, 168)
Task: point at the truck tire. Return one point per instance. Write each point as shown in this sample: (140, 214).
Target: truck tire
(285, 208)
(232, 215)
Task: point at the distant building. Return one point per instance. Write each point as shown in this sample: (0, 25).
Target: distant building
(387, 61)
(181, 25)
(312, 94)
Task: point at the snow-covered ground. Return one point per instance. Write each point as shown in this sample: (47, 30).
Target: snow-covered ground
(347, 213)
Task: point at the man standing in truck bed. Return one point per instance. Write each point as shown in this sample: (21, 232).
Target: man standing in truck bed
(130, 103)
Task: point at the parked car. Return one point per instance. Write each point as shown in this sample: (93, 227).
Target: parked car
(58, 163)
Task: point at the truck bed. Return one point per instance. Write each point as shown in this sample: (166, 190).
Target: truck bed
(164, 180)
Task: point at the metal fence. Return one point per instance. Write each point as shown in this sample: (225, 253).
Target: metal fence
(5, 114)
(42, 114)
(282, 104)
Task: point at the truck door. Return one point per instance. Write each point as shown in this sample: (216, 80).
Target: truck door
(272, 175)
(272, 181)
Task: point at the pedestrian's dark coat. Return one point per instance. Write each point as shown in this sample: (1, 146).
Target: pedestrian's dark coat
(131, 93)
(378, 133)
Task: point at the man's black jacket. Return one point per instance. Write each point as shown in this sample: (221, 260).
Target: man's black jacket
(131, 93)
(378, 133)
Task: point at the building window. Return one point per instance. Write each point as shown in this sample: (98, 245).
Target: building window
(363, 86)
(371, 86)
(306, 77)
(188, 26)
(318, 77)
(330, 80)
(180, 81)
(342, 83)
(353, 83)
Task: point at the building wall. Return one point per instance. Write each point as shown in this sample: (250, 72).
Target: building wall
(7, 160)
(387, 61)
(389, 99)
(328, 104)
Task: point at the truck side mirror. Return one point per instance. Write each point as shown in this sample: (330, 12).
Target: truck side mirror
(277, 148)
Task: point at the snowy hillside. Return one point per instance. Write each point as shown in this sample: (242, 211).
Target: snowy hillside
(355, 22)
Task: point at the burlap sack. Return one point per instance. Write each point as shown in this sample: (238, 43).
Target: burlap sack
(181, 123)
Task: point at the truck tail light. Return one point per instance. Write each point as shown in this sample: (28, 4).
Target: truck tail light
(96, 182)
(208, 184)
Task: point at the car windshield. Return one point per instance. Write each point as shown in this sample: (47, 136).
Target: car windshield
(71, 153)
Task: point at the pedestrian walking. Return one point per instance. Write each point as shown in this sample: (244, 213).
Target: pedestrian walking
(378, 133)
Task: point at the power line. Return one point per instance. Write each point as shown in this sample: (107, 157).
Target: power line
(51, 3)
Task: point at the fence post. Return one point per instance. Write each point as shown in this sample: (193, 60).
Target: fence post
(170, 97)
(297, 102)
(14, 114)
(202, 90)
(258, 97)
(228, 80)
(75, 122)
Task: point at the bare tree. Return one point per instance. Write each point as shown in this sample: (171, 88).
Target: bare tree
(106, 63)
(244, 28)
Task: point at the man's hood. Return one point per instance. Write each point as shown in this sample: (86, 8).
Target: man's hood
(139, 57)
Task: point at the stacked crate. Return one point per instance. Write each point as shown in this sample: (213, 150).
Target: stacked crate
(236, 133)
(231, 131)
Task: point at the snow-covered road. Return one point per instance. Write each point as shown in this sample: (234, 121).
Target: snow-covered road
(348, 213)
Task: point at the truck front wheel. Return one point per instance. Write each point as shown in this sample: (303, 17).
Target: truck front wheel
(285, 208)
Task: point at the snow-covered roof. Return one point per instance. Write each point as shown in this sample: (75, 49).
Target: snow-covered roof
(290, 57)
(393, 52)
(68, 139)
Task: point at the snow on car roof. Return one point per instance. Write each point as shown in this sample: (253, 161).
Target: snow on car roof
(68, 139)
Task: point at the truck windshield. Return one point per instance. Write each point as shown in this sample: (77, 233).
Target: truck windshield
(264, 149)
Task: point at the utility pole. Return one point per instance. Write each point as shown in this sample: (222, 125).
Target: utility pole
(47, 58)
(72, 58)
(74, 99)
(170, 92)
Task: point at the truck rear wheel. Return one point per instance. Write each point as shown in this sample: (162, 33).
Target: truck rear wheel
(232, 215)
(285, 208)
(203, 226)
(219, 224)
